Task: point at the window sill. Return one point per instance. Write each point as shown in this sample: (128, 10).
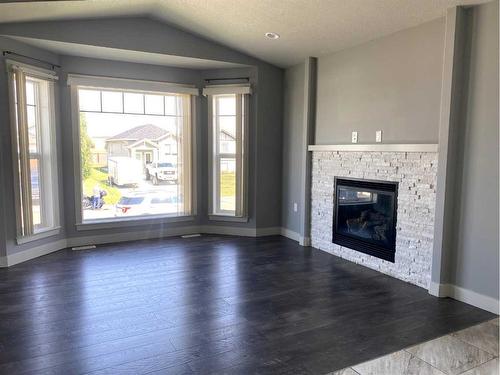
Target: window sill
(234, 219)
(129, 222)
(39, 235)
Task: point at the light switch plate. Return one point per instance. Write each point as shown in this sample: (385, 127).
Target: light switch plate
(378, 136)
(354, 137)
(295, 207)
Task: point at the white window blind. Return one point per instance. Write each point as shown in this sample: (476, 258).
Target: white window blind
(227, 89)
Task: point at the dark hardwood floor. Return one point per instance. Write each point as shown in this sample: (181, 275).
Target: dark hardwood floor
(207, 305)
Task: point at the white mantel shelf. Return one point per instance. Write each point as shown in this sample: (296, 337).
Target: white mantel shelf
(380, 147)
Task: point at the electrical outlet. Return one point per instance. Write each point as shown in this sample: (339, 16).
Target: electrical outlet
(378, 136)
(354, 137)
(295, 207)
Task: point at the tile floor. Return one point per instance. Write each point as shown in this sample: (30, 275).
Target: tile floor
(472, 351)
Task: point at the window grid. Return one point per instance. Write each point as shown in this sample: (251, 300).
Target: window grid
(125, 112)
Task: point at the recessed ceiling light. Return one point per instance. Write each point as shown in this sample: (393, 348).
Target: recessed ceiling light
(272, 35)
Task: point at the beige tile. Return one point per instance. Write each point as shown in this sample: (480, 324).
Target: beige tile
(488, 368)
(399, 363)
(483, 336)
(450, 355)
(495, 321)
(346, 371)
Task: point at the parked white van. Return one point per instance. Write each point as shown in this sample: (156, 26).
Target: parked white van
(123, 170)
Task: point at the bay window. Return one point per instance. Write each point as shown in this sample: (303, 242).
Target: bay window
(135, 147)
(228, 108)
(31, 93)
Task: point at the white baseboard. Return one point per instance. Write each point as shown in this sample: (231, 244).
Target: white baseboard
(32, 253)
(239, 231)
(51, 247)
(465, 295)
(438, 290)
(285, 232)
(271, 231)
(303, 241)
(131, 236)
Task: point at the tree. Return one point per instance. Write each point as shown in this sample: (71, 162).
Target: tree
(85, 147)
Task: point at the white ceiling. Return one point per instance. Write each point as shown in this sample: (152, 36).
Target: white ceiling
(307, 27)
(83, 50)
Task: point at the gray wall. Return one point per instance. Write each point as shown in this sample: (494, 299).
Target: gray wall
(391, 84)
(7, 210)
(476, 258)
(151, 36)
(293, 122)
(268, 146)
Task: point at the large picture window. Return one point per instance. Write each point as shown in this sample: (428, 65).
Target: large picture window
(35, 158)
(228, 153)
(135, 154)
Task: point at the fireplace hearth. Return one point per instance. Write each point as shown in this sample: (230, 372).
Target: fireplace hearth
(365, 216)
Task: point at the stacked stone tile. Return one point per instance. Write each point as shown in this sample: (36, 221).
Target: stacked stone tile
(416, 173)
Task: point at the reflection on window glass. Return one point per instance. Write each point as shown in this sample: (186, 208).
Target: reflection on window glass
(132, 163)
(228, 184)
(351, 195)
(112, 101)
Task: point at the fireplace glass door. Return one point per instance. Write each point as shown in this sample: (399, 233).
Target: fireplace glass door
(365, 216)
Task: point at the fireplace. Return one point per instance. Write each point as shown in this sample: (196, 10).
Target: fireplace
(364, 216)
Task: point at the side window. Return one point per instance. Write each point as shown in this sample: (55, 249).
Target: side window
(228, 133)
(35, 157)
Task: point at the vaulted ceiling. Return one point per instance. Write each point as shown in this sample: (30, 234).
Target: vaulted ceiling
(306, 27)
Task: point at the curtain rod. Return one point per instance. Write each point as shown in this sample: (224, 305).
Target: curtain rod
(227, 79)
(5, 53)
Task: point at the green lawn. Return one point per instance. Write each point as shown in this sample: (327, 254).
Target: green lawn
(101, 178)
(228, 184)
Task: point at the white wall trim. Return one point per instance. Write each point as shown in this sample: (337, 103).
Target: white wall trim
(130, 84)
(305, 241)
(130, 236)
(34, 252)
(37, 251)
(285, 232)
(439, 290)
(269, 231)
(378, 147)
(465, 295)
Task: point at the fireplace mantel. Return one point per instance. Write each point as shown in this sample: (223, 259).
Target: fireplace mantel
(378, 147)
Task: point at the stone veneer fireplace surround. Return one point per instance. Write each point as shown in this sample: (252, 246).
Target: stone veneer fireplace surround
(415, 169)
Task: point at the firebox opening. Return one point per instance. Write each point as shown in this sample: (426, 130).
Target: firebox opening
(365, 216)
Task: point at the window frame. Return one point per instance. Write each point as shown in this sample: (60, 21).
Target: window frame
(109, 84)
(46, 154)
(240, 156)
